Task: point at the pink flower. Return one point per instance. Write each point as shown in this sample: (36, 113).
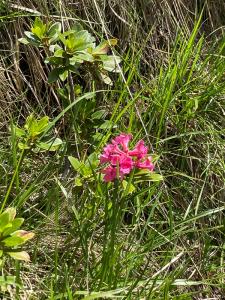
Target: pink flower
(146, 164)
(140, 150)
(110, 173)
(106, 156)
(123, 140)
(121, 161)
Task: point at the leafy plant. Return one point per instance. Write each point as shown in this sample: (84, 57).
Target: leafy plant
(69, 50)
(41, 34)
(31, 135)
(11, 237)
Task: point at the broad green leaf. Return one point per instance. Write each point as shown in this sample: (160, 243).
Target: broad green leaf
(4, 220)
(25, 235)
(155, 176)
(42, 124)
(59, 53)
(54, 31)
(33, 40)
(76, 164)
(22, 255)
(11, 212)
(103, 47)
(24, 41)
(54, 75)
(39, 28)
(63, 75)
(98, 115)
(110, 62)
(92, 161)
(1, 253)
(51, 145)
(15, 225)
(13, 241)
(107, 125)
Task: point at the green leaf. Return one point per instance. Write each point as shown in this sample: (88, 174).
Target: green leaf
(22, 255)
(25, 235)
(107, 125)
(23, 146)
(18, 131)
(59, 53)
(98, 115)
(76, 164)
(53, 76)
(13, 241)
(63, 75)
(42, 124)
(146, 175)
(78, 181)
(39, 28)
(128, 187)
(103, 47)
(4, 221)
(51, 145)
(155, 177)
(32, 39)
(53, 32)
(16, 223)
(110, 62)
(11, 211)
(1, 253)
(24, 41)
(92, 161)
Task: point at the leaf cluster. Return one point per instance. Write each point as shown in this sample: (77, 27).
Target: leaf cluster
(11, 237)
(67, 51)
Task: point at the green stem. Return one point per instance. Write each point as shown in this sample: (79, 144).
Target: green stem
(12, 180)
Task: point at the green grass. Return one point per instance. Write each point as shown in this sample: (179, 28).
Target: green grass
(165, 240)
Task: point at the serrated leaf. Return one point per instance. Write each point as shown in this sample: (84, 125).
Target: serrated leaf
(22, 255)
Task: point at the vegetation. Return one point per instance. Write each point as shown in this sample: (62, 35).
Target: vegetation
(104, 219)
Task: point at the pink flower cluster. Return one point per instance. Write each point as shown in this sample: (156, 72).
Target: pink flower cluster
(121, 161)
